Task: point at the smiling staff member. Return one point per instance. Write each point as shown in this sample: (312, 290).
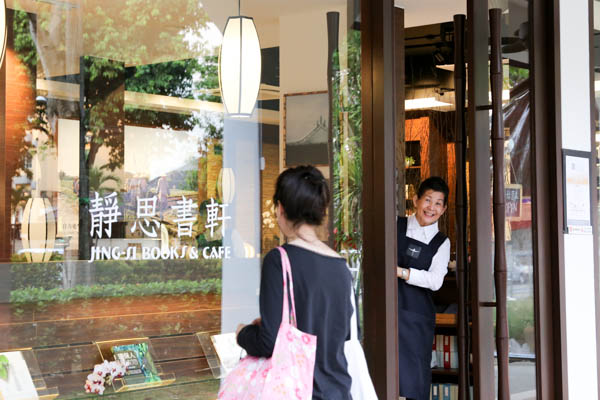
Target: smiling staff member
(423, 255)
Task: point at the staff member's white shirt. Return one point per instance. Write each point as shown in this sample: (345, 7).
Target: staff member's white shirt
(434, 277)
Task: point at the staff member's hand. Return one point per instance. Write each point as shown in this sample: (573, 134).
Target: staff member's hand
(403, 273)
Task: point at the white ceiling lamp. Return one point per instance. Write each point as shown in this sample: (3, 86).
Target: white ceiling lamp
(38, 230)
(427, 102)
(3, 29)
(226, 185)
(239, 66)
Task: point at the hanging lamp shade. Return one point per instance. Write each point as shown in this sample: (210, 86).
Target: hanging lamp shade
(2, 29)
(38, 230)
(239, 66)
(226, 185)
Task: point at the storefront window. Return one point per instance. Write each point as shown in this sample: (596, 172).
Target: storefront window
(136, 209)
(596, 104)
(518, 189)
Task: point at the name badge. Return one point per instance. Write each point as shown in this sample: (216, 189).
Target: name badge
(413, 251)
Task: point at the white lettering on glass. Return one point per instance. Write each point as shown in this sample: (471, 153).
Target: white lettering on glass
(103, 211)
(213, 218)
(184, 219)
(146, 212)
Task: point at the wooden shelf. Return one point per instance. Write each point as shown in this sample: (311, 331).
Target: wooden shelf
(445, 320)
(444, 371)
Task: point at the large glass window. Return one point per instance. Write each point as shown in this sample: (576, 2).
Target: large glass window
(136, 209)
(518, 189)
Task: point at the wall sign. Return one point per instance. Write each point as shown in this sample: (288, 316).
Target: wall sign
(577, 194)
(104, 212)
(513, 195)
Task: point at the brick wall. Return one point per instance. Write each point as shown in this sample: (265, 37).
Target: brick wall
(19, 104)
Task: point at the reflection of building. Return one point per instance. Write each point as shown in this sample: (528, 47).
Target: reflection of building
(152, 118)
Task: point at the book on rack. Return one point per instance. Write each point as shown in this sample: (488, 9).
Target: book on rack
(439, 350)
(15, 379)
(434, 393)
(139, 365)
(450, 352)
(445, 352)
(443, 391)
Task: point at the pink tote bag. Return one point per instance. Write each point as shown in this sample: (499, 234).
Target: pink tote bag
(288, 374)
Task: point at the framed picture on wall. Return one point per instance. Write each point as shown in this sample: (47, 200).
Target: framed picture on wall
(513, 199)
(305, 128)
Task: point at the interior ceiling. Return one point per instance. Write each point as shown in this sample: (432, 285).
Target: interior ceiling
(219, 10)
(426, 12)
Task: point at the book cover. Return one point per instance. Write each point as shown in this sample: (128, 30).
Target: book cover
(450, 352)
(445, 389)
(454, 392)
(433, 363)
(435, 392)
(15, 379)
(138, 361)
(440, 350)
(227, 349)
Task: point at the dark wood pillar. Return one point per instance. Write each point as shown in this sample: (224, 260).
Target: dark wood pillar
(400, 95)
(547, 203)
(379, 192)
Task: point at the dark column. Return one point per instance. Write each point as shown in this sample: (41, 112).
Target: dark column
(379, 243)
(547, 203)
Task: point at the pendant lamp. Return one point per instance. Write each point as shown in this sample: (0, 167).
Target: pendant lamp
(239, 66)
(226, 185)
(38, 230)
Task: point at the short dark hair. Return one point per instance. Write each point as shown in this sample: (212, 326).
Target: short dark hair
(436, 184)
(304, 195)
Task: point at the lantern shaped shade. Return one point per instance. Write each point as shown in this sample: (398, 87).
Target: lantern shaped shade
(239, 66)
(38, 230)
(226, 185)
(2, 29)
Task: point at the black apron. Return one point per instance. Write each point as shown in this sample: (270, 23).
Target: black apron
(416, 316)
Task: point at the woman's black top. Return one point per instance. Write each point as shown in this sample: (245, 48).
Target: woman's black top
(322, 287)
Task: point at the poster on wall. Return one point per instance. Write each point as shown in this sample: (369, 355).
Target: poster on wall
(305, 128)
(577, 202)
(15, 379)
(513, 194)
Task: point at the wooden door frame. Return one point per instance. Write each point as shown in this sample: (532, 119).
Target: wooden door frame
(547, 201)
(380, 113)
(379, 197)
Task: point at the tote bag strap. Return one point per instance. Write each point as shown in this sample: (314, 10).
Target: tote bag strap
(286, 269)
(353, 320)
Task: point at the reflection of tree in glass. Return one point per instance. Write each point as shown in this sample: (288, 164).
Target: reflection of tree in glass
(98, 181)
(347, 185)
(195, 78)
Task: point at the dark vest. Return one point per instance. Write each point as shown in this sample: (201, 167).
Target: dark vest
(416, 316)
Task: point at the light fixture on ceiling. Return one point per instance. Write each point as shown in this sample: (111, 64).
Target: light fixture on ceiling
(38, 229)
(226, 185)
(239, 66)
(427, 102)
(3, 29)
